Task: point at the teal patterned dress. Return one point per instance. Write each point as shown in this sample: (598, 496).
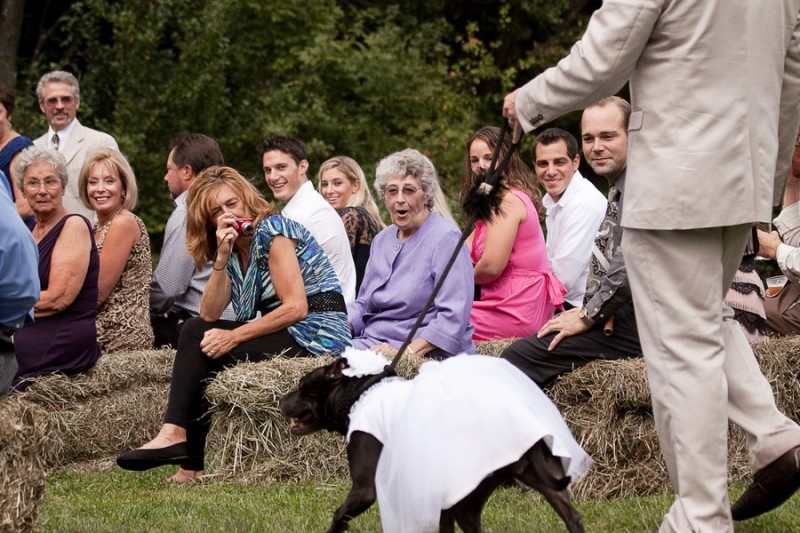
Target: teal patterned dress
(321, 332)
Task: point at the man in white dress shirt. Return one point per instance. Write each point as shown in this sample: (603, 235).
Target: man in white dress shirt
(575, 209)
(285, 171)
(59, 96)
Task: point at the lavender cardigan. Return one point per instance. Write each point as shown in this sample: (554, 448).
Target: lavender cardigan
(399, 279)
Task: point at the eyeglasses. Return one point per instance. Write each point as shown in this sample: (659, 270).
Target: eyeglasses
(393, 192)
(54, 100)
(49, 184)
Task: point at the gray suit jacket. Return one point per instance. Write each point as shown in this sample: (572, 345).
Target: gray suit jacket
(715, 90)
(82, 141)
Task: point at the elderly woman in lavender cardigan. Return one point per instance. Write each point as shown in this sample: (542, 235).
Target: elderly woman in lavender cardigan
(406, 261)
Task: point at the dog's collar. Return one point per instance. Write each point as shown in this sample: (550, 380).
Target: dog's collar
(338, 406)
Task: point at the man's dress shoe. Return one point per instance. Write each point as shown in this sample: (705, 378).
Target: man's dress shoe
(145, 459)
(771, 486)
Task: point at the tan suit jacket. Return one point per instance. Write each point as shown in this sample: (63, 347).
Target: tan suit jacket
(82, 141)
(715, 90)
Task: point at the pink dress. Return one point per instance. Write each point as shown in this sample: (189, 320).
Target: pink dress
(526, 294)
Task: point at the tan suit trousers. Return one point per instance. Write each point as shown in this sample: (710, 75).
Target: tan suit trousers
(701, 369)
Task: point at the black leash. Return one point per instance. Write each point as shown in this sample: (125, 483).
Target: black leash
(482, 202)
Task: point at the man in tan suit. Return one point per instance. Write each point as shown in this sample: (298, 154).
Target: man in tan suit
(715, 89)
(59, 96)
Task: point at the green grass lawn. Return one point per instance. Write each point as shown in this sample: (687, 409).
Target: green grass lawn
(121, 501)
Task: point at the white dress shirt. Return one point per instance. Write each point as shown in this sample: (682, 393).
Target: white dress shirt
(311, 210)
(572, 223)
(63, 136)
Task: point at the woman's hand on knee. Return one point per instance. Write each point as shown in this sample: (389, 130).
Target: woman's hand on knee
(217, 342)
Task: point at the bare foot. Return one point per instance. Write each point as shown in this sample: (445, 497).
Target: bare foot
(186, 477)
(168, 435)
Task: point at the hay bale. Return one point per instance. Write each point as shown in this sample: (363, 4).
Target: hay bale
(250, 440)
(492, 347)
(779, 358)
(117, 405)
(120, 403)
(24, 437)
(607, 405)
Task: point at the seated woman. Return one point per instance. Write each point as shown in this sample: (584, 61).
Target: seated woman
(107, 185)
(343, 185)
(515, 291)
(11, 144)
(62, 337)
(746, 294)
(406, 262)
(279, 271)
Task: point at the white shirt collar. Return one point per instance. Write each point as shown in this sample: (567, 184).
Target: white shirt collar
(569, 192)
(302, 193)
(63, 135)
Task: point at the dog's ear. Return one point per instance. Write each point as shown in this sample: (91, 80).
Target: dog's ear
(335, 369)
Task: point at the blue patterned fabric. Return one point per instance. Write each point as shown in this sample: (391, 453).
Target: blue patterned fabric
(251, 291)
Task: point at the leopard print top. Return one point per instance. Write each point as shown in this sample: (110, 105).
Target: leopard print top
(123, 321)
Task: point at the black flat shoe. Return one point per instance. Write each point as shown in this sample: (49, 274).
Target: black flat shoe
(145, 459)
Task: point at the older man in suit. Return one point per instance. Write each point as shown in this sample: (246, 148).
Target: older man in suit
(59, 96)
(715, 88)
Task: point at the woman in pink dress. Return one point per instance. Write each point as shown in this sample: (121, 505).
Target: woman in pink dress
(515, 291)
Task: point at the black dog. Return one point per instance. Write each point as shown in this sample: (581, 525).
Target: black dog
(323, 400)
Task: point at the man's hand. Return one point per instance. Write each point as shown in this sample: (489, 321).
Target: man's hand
(768, 244)
(510, 112)
(566, 324)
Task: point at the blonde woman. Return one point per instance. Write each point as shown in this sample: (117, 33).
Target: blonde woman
(107, 186)
(343, 184)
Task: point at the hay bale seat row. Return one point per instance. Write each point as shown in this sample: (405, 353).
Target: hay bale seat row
(23, 438)
(120, 404)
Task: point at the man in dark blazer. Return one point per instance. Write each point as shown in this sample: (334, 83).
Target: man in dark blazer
(59, 96)
(715, 89)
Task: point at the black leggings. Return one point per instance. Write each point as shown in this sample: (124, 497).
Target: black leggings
(187, 406)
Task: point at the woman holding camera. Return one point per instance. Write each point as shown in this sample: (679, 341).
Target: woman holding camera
(279, 271)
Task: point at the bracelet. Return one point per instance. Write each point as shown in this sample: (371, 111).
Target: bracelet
(214, 262)
(410, 350)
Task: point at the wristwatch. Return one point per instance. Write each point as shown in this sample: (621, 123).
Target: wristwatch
(585, 318)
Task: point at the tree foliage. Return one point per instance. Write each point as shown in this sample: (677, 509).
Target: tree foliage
(361, 78)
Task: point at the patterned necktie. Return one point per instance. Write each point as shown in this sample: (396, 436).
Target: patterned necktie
(603, 248)
(56, 141)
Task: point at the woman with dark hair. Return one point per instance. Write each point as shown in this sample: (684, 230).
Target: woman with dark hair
(11, 144)
(516, 293)
(263, 263)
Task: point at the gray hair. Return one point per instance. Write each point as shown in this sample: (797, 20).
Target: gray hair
(35, 154)
(58, 76)
(409, 162)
